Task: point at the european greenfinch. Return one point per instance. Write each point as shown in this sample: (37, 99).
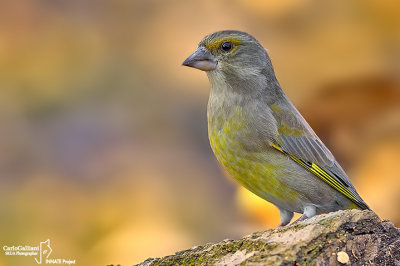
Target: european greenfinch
(258, 135)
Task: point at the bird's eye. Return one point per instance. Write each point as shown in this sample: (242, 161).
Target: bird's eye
(226, 46)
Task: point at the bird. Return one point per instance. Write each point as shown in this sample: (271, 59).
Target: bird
(260, 138)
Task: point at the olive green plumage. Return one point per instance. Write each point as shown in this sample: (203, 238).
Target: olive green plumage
(259, 136)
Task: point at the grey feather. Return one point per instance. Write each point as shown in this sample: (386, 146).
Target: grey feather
(303, 142)
(308, 147)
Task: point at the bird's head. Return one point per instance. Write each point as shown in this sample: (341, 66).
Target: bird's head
(233, 56)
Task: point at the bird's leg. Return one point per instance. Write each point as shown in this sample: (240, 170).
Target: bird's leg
(301, 218)
(286, 216)
(309, 211)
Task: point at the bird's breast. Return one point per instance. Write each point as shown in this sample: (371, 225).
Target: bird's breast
(226, 132)
(230, 135)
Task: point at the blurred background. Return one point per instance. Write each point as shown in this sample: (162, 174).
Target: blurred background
(103, 136)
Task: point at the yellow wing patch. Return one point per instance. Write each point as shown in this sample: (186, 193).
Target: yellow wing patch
(325, 176)
(284, 129)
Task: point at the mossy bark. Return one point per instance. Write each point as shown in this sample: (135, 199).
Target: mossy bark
(344, 237)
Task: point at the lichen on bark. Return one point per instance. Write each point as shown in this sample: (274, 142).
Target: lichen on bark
(351, 237)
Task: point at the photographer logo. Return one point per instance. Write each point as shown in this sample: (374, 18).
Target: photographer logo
(41, 253)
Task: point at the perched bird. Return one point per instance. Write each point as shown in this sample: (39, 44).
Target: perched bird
(258, 135)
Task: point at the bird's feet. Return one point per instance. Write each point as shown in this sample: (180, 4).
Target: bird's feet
(286, 217)
(301, 218)
(309, 212)
(281, 224)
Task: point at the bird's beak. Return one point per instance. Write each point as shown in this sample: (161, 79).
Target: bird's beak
(201, 59)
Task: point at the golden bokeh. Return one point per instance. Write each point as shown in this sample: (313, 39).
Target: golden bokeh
(103, 139)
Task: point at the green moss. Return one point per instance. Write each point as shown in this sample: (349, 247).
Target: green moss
(216, 253)
(333, 233)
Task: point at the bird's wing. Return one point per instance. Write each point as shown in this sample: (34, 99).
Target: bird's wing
(301, 144)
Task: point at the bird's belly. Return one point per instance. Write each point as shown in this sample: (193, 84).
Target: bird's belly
(256, 171)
